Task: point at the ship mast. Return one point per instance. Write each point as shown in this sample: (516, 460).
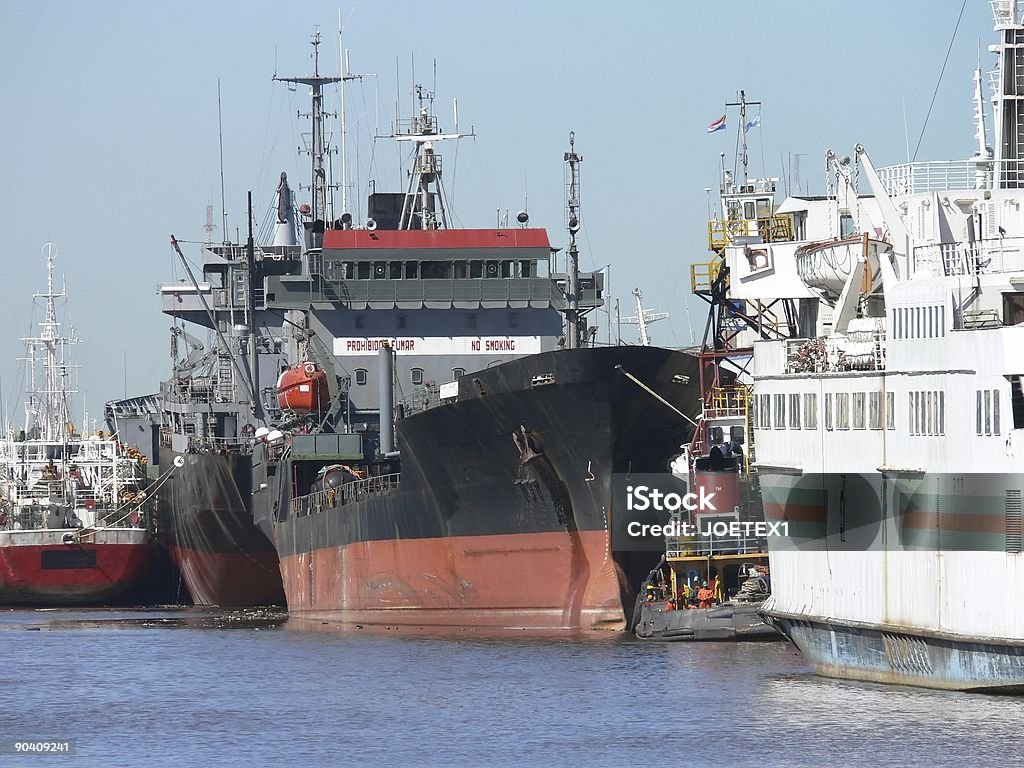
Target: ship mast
(574, 329)
(317, 149)
(49, 408)
(643, 318)
(742, 103)
(422, 130)
(983, 157)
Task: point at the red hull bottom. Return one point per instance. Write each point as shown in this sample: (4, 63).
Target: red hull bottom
(70, 574)
(229, 579)
(539, 580)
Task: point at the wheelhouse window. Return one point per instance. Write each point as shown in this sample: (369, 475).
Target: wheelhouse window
(416, 376)
(458, 373)
(360, 376)
(436, 270)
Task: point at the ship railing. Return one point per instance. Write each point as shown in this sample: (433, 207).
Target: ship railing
(711, 545)
(942, 175)
(200, 444)
(991, 255)
(728, 402)
(703, 275)
(442, 292)
(771, 229)
(318, 501)
(423, 399)
(198, 389)
(222, 445)
(861, 348)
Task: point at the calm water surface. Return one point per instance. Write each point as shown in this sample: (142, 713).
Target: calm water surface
(153, 688)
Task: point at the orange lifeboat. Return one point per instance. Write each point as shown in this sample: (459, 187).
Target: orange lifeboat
(303, 388)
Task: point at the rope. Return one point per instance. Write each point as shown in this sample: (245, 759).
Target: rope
(157, 484)
(937, 84)
(653, 394)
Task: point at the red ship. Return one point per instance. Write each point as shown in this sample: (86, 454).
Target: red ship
(72, 525)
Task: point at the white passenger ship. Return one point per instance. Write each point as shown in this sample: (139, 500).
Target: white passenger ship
(891, 438)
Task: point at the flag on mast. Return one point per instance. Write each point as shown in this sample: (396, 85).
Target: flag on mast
(717, 125)
(755, 123)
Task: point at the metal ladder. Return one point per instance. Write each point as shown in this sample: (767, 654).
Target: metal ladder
(225, 379)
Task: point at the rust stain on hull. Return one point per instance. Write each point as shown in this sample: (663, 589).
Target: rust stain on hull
(511, 580)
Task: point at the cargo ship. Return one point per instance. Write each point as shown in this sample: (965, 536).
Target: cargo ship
(887, 438)
(208, 412)
(421, 425)
(413, 419)
(73, 507)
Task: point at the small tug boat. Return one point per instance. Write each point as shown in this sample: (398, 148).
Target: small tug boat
(709, 586)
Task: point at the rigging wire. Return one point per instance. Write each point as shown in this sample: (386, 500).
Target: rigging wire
(939, 82)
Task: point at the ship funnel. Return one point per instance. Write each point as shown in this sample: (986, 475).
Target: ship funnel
(387, 400)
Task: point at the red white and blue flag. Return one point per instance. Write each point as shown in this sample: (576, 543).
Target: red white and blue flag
(717, 125)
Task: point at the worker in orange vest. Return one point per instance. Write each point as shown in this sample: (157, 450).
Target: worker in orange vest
(706, 594)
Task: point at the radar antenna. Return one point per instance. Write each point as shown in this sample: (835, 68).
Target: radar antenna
(418, 209)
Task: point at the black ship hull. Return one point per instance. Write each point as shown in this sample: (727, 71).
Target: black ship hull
(504, 513)
(205, 523)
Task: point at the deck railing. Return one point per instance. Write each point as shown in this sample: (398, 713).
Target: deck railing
(941, 175)
(316, 502)
(991, 255)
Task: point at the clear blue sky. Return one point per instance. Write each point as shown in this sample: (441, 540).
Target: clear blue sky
(109, 129)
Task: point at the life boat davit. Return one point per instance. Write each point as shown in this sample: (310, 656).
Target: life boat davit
(303, 388)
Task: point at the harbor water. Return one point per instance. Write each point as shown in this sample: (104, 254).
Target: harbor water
(195, 687)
